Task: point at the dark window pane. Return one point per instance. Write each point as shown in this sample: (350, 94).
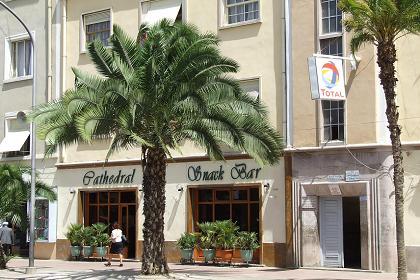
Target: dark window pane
(223, 195)
(128, 197)
(103, 214)
(326, 115)
(240, 195)
(205, 195)
(334, 132)
(240, 215)
(327, 133)
(205, 213)
(222, 212)
(93, 215)
(93, 197)
(114, 197)
(341, 116)
(341, 133)
(324, 9)
(254, 194)
(103, 197)
(334, 104)
(334, 116)
(255, 217)
(325, 28)
(326, 104)
(113, 214)
(333, 8)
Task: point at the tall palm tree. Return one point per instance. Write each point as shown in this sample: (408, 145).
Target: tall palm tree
(382, 22)
(169, 85)
(15, 191)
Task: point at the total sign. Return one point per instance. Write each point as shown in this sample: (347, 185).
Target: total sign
(327, 78)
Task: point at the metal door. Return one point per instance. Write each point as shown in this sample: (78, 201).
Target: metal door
(331, 231)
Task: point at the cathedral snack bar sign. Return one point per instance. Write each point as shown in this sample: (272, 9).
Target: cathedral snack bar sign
(197, 173)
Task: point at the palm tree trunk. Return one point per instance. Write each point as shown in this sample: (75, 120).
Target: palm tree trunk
(154, 181)
(387, 56)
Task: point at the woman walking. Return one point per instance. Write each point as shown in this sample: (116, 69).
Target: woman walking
(117, 243)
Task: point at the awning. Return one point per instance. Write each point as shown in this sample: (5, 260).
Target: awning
(13, 141)
(154, 11)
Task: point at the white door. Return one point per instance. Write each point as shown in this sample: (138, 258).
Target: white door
(331, 227)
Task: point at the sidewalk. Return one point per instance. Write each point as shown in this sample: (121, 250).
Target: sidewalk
(57, 269)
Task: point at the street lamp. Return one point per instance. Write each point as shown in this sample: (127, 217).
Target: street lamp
(32, 142)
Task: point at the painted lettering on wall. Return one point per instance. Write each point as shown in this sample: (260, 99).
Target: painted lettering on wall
(90, 178)
(238, 171)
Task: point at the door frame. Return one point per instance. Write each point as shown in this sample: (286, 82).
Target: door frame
(321, 227)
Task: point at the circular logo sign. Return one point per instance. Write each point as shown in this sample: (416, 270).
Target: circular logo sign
(330, 74)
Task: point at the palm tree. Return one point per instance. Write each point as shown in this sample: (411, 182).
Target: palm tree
(169, 85)
(15, 191)
(382, 22)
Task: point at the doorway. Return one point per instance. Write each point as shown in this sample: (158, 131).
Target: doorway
(351, 232)
(340, 232)
(109, 207)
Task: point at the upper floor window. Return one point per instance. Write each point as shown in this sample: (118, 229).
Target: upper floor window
(156, 10)
(331, 43)
(18, 57)
(16, 142)
(97, 26)
(331, 17)
(333, 120)
(251, 87)
(238, 11)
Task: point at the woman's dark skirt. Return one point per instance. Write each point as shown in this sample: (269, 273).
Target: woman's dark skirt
(117, 247)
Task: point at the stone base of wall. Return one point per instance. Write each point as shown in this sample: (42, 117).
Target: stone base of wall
(45, 250)
(413, 259)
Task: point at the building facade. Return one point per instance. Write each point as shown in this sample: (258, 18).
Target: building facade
(339, 162)
(16, 79)
(197, 190)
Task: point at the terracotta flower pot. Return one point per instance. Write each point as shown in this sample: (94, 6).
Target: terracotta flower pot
(224, 255)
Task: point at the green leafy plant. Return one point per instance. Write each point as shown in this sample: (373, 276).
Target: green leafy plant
(226, 234)
(74, 234)
(247, 241)
(207, 239)
(88, 236)
(100, 235)
(187, 241)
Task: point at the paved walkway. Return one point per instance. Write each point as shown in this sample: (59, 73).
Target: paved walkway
(56, 269)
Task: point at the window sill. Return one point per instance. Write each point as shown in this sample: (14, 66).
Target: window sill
(15, 158)
(17, 79)
(332, 143)
(244, 23)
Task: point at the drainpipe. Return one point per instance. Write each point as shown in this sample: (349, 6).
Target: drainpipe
(289, 75)
(49, 56)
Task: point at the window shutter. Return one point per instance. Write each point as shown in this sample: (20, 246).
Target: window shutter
(97, 17)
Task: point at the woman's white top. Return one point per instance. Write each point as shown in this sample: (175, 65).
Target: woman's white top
(116, 235)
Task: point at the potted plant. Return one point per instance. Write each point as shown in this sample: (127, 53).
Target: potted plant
(101, 239)
(248, 243)
(88, 241)
(226, 234)
(186, 244)
(207, 240)
(74, 235)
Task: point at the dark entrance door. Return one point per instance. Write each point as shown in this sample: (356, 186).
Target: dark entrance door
(351, 232)
(109, 207)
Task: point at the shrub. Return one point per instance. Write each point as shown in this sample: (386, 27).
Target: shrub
(74, 234)
(247, 241)
(187, 241)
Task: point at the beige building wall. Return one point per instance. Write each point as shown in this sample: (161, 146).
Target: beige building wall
(360, 106)
(257, 47)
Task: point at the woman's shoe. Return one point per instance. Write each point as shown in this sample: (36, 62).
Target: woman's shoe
(121, 264)
(108, 264)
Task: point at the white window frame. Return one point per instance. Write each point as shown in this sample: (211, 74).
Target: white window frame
(7, 75)
(321, 36)
(223, 15)
(7, 117)
(52, 220)
(82, 30)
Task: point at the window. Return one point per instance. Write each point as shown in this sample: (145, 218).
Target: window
(333, 115)
(331, 43)
(251, 87)
(16, 142)
(41, 219)
(97, 26)
(242, 10)
(154, 11)
(18, 57)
